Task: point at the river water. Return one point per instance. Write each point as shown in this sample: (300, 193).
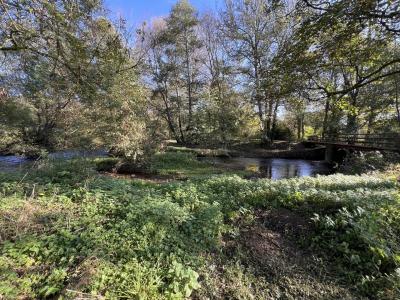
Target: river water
(11, 162)
(15, 162)
(273, 168)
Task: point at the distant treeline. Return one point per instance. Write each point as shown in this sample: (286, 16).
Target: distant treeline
(72, 77)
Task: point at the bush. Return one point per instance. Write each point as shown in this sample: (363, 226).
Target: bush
(65, 171)
(362, 162)
(282, 132)
(106, 164)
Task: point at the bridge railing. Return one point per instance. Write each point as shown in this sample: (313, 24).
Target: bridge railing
(390, 141)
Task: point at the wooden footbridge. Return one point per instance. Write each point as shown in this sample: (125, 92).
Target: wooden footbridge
(363, 142)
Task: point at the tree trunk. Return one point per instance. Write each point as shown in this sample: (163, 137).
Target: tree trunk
(43, 135)
(371, 119)
(274, 119)
(298, 128)
(397, 98)
(258, 98)
(326, 117)
(189, 84)
(352, 126)
(169, 119)
(182, 136)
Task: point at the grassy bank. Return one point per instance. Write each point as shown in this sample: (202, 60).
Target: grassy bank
(279, 149)
(168, 166)
(66, 231)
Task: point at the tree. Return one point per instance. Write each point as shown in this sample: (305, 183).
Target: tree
(122, 121)
(252, 29)
(297, 108)
(69, 62)
(182, 36)
(344, 19)
(337, 62)
(175, 69)
(225, 114)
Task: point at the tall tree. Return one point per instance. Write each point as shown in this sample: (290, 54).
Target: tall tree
(344, 19)
(174, 61)
(222, 99)
(182, 37)
(251, 27)
(68, 60)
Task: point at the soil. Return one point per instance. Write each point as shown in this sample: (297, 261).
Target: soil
(292, 271)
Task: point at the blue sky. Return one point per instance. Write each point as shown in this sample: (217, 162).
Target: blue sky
(138, 11)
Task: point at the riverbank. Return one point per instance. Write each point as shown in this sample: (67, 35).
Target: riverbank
(178, 165)
(279, 149)
(68, 231)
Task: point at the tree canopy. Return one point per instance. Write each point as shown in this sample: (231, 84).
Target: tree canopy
(71, 77)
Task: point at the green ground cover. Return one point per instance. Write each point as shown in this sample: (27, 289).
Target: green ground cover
(68, 232)
(174, 165)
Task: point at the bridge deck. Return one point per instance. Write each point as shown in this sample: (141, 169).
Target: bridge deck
(388, 142)
(354, 146)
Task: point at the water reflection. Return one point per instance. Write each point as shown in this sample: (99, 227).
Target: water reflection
(69, 154)
(8, 163)
(275, 168)
(15, 162)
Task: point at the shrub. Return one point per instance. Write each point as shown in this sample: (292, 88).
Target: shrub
(362, 162)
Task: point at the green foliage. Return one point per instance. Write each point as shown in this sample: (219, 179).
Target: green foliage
(146, 238)
(66, 171)
(65, 230)
(184, 164)
(178, 163)
(80, 87)
(122, 121)
(365, 242)
(106, 164)
(362, 162)
(179, 159)
(282, 132)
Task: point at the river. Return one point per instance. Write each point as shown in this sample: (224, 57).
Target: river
(16, 162)
(273, 168)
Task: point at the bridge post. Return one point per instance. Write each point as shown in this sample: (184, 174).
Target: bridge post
(329, 151)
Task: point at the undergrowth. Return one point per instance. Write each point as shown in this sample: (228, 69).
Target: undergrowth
(67, 232)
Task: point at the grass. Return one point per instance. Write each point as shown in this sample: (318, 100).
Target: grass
(176, 165)
(67, 232)
(204, 152)
(182, 164)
